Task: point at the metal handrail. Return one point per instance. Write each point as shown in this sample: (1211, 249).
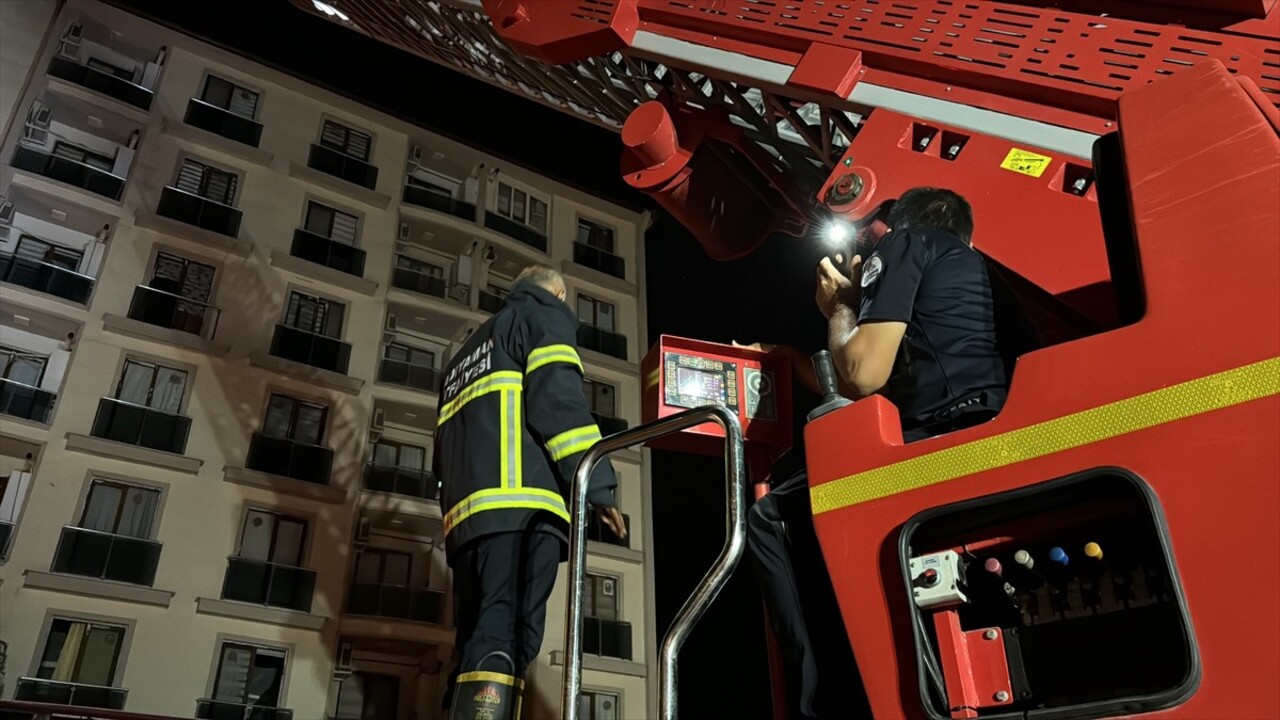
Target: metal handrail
(33, 261)
(735, 478)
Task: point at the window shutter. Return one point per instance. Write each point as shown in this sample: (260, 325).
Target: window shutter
(189, 176)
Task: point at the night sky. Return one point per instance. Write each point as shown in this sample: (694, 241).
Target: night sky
(767, 296)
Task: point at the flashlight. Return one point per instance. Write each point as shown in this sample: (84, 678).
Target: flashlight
(838, 233)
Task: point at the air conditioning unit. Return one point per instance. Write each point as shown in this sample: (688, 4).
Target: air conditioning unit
(342, 666)
(391, 321)
(415, 156)
(388, 338)
(404, 232)
(379, 418)
(363, 529)
(6, 212)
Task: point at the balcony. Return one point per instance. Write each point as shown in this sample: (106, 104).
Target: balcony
(438, 201)
(223, 122)
(290, 458)
(25, 401)
(396, 601)
(401, 481)
(598, 531)
(6, 534)
(199, 211)
(417, 377)
(167, 310)
(609, 425)
(71, 172)
(602, 341)
(139, 425)
(420, 282)
(602, 260)
(207, 709)
(342, 166)
(263, 583)
(609, 638)
(102, 82)
(330, 253)
(107, 556)
(55, 692)
(491, 303)
(516, 231)
(308, 348)
(45, 278)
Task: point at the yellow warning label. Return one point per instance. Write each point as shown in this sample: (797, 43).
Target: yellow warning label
(1026, 162)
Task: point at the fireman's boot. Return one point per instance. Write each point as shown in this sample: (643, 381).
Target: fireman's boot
(486, 695)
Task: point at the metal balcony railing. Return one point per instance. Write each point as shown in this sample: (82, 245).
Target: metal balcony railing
(199, 211)
(207, 709)
(609, 638)
(45, 278)
(147, 427)
(167, 310)
(516, 231)
(418, 377)
(93, 553)
(290, 458)
(265, 583)
(401, 481)
(491, 302)
(602, 341)
(419, 282)
(427, 198)
(342, 166)
(97, 80)
(308, 348)
(396, 601)
(597, 259)
(328, 252)
(71, 172)
(6, 535)
(25, 401)
(56, 692)
(600, 532)
(221, 121)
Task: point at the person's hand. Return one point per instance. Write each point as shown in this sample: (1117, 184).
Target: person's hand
(612, 519)
(757, 346)
(834, 289)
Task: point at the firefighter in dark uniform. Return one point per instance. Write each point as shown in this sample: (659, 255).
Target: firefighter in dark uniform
(915, 324)
(513, 423)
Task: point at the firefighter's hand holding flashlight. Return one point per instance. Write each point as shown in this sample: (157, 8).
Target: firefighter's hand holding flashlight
(834, 288)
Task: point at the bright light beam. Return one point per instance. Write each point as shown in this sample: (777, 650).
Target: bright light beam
(837, 232)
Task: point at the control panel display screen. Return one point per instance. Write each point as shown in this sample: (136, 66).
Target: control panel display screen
(700, 384)
(693, 381)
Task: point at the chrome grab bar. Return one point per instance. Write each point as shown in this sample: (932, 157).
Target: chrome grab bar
(735, 478)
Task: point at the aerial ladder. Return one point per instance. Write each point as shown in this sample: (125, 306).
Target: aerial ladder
(1104, 546)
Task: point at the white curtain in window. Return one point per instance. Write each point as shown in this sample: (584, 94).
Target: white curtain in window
(135, 383)
(289, 537)
(66, 667)
(171, 386)
(102, 508)
(137, 512)
(233, 674)
(255, 538)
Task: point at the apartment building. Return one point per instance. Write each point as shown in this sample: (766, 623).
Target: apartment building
(225, 298)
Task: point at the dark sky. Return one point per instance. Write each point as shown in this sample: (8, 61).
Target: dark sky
(767, 296)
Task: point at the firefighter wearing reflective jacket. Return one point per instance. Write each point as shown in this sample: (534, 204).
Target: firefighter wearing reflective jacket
(512, 425)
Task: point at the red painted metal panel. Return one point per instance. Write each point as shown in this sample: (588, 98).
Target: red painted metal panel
(561, 31)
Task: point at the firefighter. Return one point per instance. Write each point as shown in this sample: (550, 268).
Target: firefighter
(916, 324)
(513, 423)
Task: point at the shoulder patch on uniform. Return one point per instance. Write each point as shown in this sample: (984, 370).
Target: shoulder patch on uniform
(871, 270)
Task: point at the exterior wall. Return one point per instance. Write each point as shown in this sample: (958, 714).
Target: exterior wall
(170, 651)
(22, 31)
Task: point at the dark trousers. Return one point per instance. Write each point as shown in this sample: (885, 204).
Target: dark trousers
(500, 588)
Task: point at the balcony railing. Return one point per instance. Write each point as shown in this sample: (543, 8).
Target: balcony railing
(491, 303)
(597, 259)
(199, 211)
(108, 556)
(264, 583)
(516, 231)
(598, 531)
(167, 310)
(117, 87)
(342, 166)
(396, 601)
(602, 341)
(328, 252)
(140, 425)
(609, 638)
(25, 401)
(207, 709)
(56, 692)
(420, 282)
(310, 348)
(6, 534)
(418, 377)
(401, 481)
(609, 425)
(221, 121)
(289, 458)
(424, 197)
(46, 278)
(71, 172)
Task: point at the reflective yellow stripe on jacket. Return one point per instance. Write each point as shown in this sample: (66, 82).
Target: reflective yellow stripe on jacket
(510, 438)
(553, 354)
(493, 382)
(571, 441)
(505, 499)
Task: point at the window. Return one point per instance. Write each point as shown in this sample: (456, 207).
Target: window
(21, 366)
(365, 696)
(249, 675)
(383, 567)
(81, 652)
(596, 313)
(182, 277)
(82, 156)
(346, 140)
(598, 705)
(120, 509)
(601, 602)
(333, 224)
(46, 252)
(230, 97)
(596, 236)
(207, 181)
(292, 419)
(313, 314)
(393, 454)
(152, 385)
(601, 397)
(410, 355)
(522, 207)
(423, 268)
(273, 537)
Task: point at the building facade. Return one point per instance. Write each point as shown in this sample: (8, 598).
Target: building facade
(225, 298)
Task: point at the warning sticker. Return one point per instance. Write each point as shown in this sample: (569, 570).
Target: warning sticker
(1026, 162)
